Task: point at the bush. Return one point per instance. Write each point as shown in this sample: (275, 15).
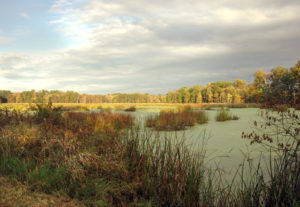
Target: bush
(46, 113)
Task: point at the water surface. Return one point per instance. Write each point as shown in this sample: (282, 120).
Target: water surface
(224, 145)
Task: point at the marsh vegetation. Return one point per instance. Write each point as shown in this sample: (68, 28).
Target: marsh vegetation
(104, 158)
(225, 115)
(176, 119)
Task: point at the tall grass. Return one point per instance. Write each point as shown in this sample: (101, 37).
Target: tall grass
(225, 115)
(176, 120)
(201, 117)
(169, 174)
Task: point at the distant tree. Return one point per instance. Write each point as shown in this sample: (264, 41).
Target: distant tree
(239, 84)
(229, 98)
(257, 88)
(183, 95)
(236, 98)
(199, 98)
(295, 82)
(223, 97)
(260, 79)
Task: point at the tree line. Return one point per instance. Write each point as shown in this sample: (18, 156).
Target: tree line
(280, 86)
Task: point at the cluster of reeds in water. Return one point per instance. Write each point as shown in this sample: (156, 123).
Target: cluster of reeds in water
(181, 118)
(176, 120)
(224, 114)
(102, 159)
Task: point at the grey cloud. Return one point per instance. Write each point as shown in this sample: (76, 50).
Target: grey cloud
(147, 46)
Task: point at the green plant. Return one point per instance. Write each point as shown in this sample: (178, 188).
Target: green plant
(16, 167)
(48, 179)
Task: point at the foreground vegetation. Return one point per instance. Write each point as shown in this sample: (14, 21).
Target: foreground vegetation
(103, 159)
(14, 193)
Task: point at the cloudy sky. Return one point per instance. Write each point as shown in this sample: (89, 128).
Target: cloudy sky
(153, 46)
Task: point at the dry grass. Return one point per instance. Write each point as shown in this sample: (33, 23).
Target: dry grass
(176, 120)
(15, 194)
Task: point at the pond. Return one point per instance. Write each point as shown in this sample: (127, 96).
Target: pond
(224, 146)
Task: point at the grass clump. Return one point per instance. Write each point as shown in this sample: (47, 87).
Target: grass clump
(176, 120)
(169, 174)
(225, 115)
(201, 117)
(130, 109)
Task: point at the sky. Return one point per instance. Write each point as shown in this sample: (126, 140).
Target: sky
(147, 46)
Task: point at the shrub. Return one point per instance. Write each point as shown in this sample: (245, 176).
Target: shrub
(280, 137)
(46, 113)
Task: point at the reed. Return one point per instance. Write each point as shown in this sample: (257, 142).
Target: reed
(176, 120)
(201, 117)
(225, 115)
